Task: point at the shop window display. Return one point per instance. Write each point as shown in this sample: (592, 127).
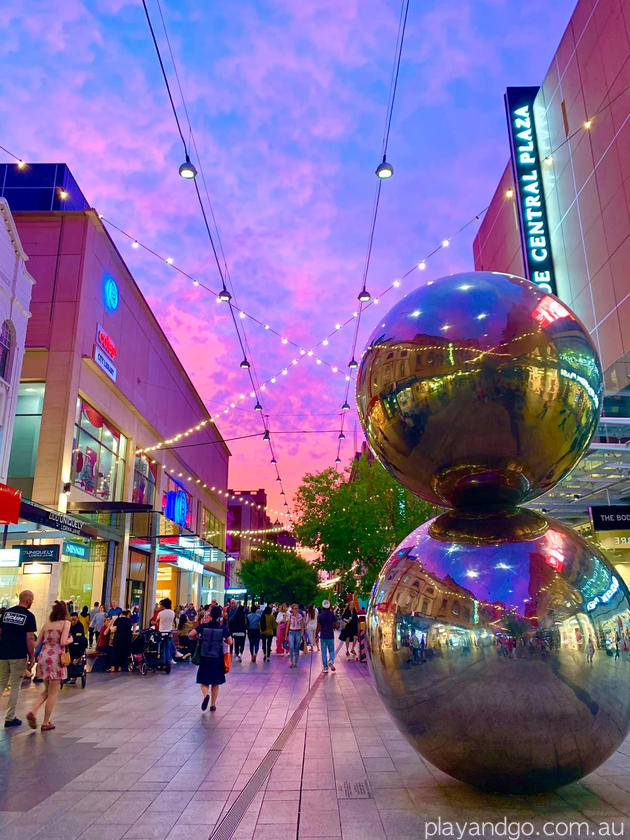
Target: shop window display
(98, 462)
(144, 480)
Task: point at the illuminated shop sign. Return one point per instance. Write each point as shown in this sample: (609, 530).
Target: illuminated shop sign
(176, 507)
(73, 549)
(605, 597)
(549, 310)
(106, 342)
(111, 297)
(105, 363)
(39, 553)
(519, 103)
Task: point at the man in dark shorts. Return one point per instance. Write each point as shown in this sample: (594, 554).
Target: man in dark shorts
(17, 646)
(326, 626)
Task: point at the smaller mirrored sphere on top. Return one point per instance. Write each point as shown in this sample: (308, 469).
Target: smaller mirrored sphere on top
(479, 389)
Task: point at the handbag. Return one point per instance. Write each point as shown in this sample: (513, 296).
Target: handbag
(227, 661)
(64, 659)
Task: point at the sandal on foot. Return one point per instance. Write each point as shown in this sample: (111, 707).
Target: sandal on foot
(46, 727)
(30, 719)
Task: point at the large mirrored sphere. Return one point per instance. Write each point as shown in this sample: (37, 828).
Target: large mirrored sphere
(479, 389)
(499, 644)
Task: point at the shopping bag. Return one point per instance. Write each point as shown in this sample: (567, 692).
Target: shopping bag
(227, 661)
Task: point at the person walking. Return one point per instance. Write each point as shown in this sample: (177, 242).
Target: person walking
(238, 628)
(92, 630)
(211, 671)
(281, 618)
(350, 628)
(165, 622)
(268, 628)
(17, 650)
(297, 630)
(121, 645)
(326, 625)
(114, 610)
(54, 637)
(311, 627)
(590, 650)
(253, 630)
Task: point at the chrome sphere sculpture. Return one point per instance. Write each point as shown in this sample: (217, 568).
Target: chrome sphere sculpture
(493, 632)
(479, 388)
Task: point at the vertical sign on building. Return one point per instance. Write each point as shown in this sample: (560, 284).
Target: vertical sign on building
(519, 104)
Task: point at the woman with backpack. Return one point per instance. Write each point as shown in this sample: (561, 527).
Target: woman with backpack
(268, 628)
(211, 671)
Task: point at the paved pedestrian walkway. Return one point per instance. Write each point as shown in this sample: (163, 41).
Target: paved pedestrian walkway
(288, 754)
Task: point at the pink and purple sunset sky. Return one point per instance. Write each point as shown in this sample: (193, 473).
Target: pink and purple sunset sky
(287, 99)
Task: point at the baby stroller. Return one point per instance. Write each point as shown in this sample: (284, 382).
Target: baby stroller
(76, 670)
(137, 659)
(157, 651)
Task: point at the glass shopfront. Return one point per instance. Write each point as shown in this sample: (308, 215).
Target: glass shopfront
(98, 460)
(166, 582)
(28, 420)
(137, 580)
(81, 578)
(144, 480)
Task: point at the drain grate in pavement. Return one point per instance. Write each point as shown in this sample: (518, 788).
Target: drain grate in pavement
(231, 821)
(353, 789)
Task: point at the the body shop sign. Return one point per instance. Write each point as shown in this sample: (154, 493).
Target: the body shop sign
(519, 103)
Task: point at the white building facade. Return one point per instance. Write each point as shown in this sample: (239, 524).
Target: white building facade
(15, 297)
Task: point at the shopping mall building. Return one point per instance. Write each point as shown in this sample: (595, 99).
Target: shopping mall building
(100, 519)
(561, 217)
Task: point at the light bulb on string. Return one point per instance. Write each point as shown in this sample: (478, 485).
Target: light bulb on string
(352, 364)
(245, 364)
(258, 407)
(345, 406)
(224, 296)
(384, 170)
(364, 296)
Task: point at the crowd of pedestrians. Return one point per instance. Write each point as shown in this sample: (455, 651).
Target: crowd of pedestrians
(209, 636)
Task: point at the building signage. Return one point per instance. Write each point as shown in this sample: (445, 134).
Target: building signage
(9, 558)
(610, 517)
(105, 363)
(39, 553)
(176, 507)
(37, 569)
(519, 104)
(189, 565)
(111, 297)
(75, 549)
(106, 343)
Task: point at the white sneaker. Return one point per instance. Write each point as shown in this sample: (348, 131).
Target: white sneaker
(325, 671)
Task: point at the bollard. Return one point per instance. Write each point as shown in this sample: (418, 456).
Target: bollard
(362, 648)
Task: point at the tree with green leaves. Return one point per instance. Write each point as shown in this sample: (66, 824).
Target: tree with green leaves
(275, 575)
(355, 519)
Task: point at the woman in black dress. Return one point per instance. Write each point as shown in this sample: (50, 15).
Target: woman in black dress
(211, 673)
(121, 647)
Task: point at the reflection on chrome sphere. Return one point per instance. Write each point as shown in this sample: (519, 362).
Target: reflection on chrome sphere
(479, 389)
(499, 645)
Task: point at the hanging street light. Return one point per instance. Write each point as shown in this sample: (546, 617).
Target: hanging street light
(187, 170)
(384, 170)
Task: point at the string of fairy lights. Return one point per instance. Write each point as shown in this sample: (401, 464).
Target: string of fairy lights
(189, 172)
(384, 172)
(310, 352)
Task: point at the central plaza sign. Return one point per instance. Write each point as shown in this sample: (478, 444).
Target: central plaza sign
(519, 103)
